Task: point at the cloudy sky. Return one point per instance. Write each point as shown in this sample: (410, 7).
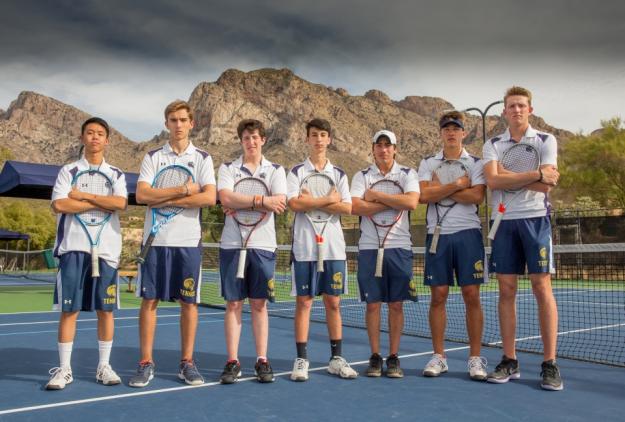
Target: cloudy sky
(125, 60)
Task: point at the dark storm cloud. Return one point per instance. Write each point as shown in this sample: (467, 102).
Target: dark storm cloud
(277, 31)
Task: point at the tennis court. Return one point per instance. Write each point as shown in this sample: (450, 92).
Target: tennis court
(589, 288)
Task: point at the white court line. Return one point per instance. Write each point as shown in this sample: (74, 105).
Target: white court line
(10, 324)
(563, 333)
(185, 387)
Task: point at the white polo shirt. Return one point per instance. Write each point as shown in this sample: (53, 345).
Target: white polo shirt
(529, 204)
(461, 216)
(70, 236)
(304, 244)
(399, 237)
(264, 236)
(183, 230)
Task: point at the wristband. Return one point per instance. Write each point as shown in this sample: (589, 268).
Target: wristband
(262, 201)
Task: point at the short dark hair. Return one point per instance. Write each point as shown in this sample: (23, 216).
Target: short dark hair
(250, 125)
(320, 124)
(98, 121)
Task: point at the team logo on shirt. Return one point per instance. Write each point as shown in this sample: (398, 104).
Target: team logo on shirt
(543, 261)
(111, 292)
(337, 279)
(479, 269)
(188, 287)
(412, 288)
(271, 294)
(190, 164)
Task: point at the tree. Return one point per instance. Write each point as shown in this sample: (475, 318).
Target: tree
(594, 165)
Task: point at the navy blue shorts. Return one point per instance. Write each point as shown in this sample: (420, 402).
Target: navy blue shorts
(76, 290)
(396, 283)
(259, 270)
(171, 273)
(460, 254)
(526, 241)
(306, 281)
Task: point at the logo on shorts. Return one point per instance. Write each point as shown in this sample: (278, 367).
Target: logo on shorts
(479, 269)
(338, 281)
(111, 290)
(543, 261)
(412, 288)
(271, 294)
(188, 287)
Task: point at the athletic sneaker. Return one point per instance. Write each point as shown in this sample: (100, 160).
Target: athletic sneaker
(59, 378)
(508, 369)
(144, 374)
(477, 368)
(263, 371)
(551, 376)
(392, 367)
(107, 376)
(231, 372)
(300, 370)
(375, 365)
(189, 373)
(436, 366)
(339, 366)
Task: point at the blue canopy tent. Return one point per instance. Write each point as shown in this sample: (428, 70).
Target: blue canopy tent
(31, 180)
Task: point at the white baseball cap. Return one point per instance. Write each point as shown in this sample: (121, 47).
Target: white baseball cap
(390, 135)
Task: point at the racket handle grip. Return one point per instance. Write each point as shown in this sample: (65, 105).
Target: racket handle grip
(241, 264)
(495, 226)
(146, 248)
(321, 254)
(95, 262)
(378, 262)
(435, 236)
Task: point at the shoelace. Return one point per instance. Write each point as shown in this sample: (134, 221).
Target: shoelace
(436, 361)
(56, 370)
(550, 371)
(301, 364)
(230, 366)
(479, 363)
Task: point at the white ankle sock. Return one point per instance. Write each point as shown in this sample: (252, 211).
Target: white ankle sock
(104, 349)
(65, 354)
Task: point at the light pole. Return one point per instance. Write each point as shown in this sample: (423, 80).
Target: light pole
(483, 114)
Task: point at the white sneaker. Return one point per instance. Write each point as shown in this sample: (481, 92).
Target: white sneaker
(339, 366)
(436, 366)
(300, 370)
(59, 378)
(107, 376)
(477, 368)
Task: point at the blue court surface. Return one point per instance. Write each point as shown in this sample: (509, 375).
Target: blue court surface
(28, 350)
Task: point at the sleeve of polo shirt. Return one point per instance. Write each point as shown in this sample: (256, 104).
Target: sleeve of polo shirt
(549, 151)
(62, 185)
(425, 172)
(477, 173)
(343, 189)
(358, 185)
(119, 186)
(292, 185)
(147, 172)
(489, 153)
(411, 182)
(278, 182)
(207, 172)
(225, 179)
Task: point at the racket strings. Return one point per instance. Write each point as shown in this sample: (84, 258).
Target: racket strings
(448, 172)
(318, 186)
(250, 187)
(388, 216)
(97, 184)
(520, 158)
(170, 178)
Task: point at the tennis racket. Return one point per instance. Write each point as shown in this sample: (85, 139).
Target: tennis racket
(168, 177)
(93, 221)
(519, 158)
(248, 219)
(384, 221)
(447, 172)
(319, 185)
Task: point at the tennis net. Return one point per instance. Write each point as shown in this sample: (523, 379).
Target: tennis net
(37, 266)
(589, 286)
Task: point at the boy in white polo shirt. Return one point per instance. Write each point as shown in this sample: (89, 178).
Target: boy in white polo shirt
(76, 290)
(258, 282)
(396, 284)
(172, 268)
(307, 281)
(460, 249)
